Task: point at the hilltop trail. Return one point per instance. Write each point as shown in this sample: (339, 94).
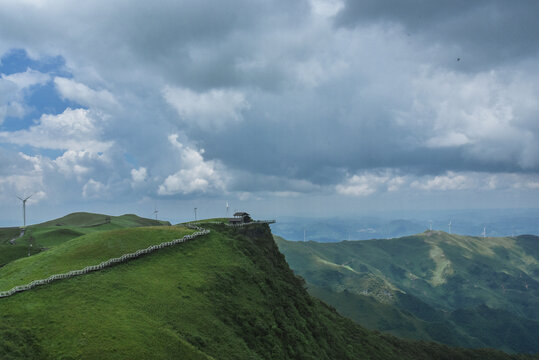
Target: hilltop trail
(12, 241)
(123, 258)
(104, 264)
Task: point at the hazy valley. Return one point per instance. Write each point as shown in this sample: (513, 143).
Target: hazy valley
(459, 290)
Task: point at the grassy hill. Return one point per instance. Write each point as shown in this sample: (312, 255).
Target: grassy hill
(49, 234)
(226, 295)
(429, 285)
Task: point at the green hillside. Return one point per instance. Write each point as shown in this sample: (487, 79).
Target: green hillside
(40, 237)
(421, 286)
(226, 295)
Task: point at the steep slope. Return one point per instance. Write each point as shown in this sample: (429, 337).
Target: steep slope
(226, 295)
(423, 281)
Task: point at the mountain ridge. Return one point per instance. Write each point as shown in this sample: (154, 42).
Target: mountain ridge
(228, 295)
(434, 272)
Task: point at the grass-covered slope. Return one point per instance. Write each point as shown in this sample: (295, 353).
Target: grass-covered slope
(419, 283)
(226, 295)
(44, 236)
(83, 251)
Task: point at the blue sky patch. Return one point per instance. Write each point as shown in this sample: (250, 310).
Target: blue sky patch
(40, 99)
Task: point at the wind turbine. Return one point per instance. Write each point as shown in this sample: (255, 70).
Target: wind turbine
(484, 231)
(24, 208)
(155, 212)
(227, 209)
(430, 225)
(195, 214)
(450, 226)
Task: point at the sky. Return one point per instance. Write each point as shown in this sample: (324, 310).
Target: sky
(280, 108)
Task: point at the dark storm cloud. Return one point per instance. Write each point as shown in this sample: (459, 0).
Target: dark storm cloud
(284, 99)
(484, 33)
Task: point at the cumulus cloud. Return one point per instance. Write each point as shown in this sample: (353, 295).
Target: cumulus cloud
(21, 175)
(82, 94)
(370, 182)
(94, 189)
(195, 176)
(14, 88)
(307, 97)
(482, 113)
(27, 79)
(74, 129)
(139, 175)
(210, 110)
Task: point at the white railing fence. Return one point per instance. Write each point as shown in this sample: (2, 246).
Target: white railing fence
(126, 257)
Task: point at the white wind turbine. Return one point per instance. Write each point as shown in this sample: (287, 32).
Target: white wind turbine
(155, 212)
(24, 208)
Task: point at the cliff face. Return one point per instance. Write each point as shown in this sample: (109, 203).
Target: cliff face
(227, 295)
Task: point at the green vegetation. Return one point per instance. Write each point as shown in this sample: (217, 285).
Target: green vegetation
(85, 251)
(226, 295)
(428, 286)
(40, 237)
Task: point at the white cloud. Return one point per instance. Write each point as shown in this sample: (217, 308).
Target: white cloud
(13, 89)
(491, 113)
(24, 179)
(209, 110)
(94, 189)
(195, 176)
(326, 8)
(448, 140)
(82, 94)
(27, 79)
(450, 181)
(138, 176)
(79, 162)
(363, 184)
(73, 129)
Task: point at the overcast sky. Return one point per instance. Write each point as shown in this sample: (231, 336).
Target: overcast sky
(311, 108)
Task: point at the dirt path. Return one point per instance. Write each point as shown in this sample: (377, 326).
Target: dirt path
(12, 241)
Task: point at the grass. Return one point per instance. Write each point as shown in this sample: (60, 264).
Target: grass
(84, 251)
(226, 295)
(445, 273)
(41, 237)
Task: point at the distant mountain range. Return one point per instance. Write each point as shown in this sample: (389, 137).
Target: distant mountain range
(458, 290)
(502, 222)
(228, 294)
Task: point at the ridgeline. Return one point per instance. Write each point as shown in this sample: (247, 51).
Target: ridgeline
(226, 295)
(458, 290)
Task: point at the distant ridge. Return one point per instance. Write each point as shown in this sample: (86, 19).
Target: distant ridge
(226, 295)
(459, 290)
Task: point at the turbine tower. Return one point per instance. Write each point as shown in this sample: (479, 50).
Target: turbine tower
(484, 231)
(430, 225)
(227, 209)
(195, 214)
(155, 212)
(24, 208)
(450, 226)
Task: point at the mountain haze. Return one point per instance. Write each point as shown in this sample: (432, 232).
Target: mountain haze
(459, 290)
